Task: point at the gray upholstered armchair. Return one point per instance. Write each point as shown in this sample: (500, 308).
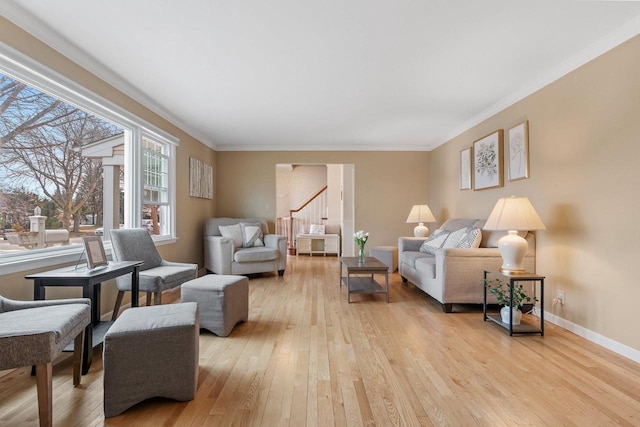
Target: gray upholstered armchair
(156, 274)
(35, 333)
(231, 246)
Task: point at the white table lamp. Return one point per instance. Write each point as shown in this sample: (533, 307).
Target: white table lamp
(513, 214)
(420, 214)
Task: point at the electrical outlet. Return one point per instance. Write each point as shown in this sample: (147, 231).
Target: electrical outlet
(266, 208)
(561, 297)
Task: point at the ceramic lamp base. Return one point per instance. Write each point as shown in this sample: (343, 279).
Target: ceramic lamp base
(420, 230)
(512, 248)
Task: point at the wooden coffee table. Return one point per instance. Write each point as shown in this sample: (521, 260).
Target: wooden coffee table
(360, 276)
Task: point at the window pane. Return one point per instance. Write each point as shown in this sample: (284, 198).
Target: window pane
(52, 157)
(156, 186)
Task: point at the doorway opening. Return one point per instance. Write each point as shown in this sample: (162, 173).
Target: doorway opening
(311, 194)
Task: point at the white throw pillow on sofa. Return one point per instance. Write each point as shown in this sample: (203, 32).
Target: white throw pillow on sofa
(435, 241)
(471, 239)
(463, 238)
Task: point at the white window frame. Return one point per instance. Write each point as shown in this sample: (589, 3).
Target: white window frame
(24, 68)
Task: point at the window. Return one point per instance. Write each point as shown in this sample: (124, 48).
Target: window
(155, 212)
(94, 167)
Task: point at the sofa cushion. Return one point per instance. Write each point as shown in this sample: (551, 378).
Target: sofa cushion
(251, 235)
(233, 232)
(426, 266)
(255, 254)
(410, 257)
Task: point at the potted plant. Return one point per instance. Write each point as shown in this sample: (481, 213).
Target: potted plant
(501, 290)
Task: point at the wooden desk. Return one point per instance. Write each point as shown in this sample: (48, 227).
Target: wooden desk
(90, 281)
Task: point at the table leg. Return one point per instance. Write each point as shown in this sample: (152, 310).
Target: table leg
(38, 289)
(386, 281)
(135, 287)
(88, 291)
(542, 307)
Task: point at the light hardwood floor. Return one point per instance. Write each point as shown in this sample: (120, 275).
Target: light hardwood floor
(307, 358)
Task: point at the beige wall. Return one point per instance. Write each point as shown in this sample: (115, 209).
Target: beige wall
(387, 184)
(191, 212)
(584, 132)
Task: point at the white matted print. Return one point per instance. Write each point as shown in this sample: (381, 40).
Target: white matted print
(487, 161)
(518, 151)
(465, 168)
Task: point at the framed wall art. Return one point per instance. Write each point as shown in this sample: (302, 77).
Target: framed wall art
(518, 151)
(465, 168)
(200, 179)
(487, 161)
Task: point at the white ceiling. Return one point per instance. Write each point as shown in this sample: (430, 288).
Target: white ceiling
(327, 74)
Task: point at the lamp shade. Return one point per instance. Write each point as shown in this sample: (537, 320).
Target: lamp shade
(420, 214)
(513, 214)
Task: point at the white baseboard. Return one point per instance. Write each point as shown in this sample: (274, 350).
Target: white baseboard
(601, 340)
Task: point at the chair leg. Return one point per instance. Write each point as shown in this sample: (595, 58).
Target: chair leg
(116, 308)
(44, 384)
(148, 299)
(157, 298)
(78, 349)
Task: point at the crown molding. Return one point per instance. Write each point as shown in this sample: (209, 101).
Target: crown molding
(14, 13)
(320, 147)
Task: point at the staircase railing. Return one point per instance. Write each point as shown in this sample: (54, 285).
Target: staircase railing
(313, 211)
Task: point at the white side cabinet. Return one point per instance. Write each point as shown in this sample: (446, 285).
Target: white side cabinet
(318, 244)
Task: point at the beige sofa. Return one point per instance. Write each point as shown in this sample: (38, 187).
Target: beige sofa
(223, 255)
(455, 276)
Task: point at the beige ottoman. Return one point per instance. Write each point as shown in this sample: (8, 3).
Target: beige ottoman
(223, 301)
(388, 255)
(151, 352)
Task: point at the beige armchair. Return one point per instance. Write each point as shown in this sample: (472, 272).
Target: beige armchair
(230, 255)
(34, 333)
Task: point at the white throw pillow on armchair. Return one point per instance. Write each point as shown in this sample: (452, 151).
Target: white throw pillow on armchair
(233, 232)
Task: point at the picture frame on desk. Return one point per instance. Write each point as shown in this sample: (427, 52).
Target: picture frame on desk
(96, 256)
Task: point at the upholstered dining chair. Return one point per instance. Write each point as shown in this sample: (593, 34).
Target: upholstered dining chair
(35, 333)
(156, 274)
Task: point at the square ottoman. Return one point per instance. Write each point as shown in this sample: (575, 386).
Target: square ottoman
(387, 255)
(151, 352)
(223, 301)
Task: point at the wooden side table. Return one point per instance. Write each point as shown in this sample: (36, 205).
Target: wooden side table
(363, 284)
(523, 327)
